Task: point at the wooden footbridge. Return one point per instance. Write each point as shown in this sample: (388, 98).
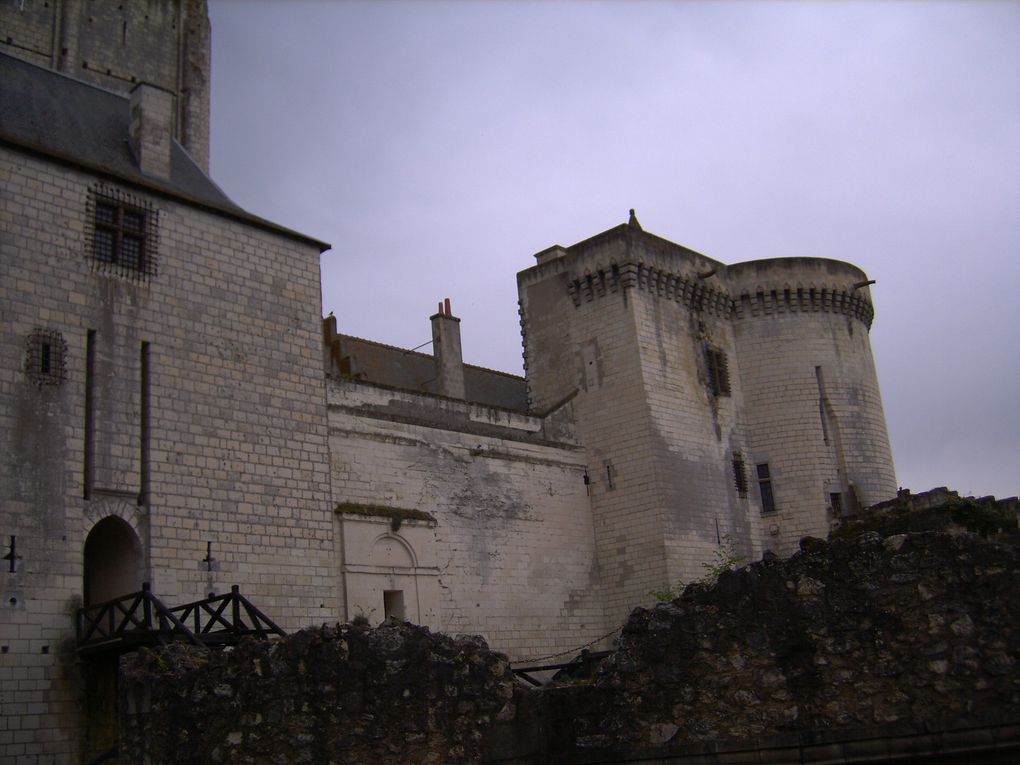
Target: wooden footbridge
(142, 619)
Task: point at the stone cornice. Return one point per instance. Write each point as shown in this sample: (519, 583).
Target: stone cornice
(805, 300)
(695, 293)
(700, 294)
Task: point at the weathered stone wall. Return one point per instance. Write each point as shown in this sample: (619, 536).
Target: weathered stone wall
(345, 695)
(906, 645)
(919, 629)
(506, 546)
(813, 403)
(688, 376)
(199, 419)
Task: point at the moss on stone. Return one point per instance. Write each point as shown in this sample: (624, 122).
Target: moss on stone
(383, 511)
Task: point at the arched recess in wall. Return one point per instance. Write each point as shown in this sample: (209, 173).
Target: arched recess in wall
(391, 550)
(114, 562)
(396, 563)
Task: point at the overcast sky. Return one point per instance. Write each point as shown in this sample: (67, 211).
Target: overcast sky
(438, 146)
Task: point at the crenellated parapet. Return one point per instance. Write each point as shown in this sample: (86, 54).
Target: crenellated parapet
(692, 290)
(799, 285)
(809, 299)
(591, 285)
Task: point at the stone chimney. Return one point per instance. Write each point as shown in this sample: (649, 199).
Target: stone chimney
(152, 116)
(447, 353)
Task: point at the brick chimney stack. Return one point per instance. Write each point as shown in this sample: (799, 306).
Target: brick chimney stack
(152, 115)
(447, 352)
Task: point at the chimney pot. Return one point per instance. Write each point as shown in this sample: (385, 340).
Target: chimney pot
(446, 352)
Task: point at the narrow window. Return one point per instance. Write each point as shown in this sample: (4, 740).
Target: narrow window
(90, 413)
(739, 475)
(821, 404)
(45, 352)
(393, 604)
(44, 359)
(718, 371)
(146, 429)
(768, 501)
(610, 476)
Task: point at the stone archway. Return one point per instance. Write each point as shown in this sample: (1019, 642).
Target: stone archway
(114, 563)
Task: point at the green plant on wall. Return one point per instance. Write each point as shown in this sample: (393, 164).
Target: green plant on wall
(726, 558)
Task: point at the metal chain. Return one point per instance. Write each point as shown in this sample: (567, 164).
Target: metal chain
(569, 650)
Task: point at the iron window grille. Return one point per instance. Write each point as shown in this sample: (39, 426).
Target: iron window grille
(45, 357)
(123, 234)
(739, 475)
(718, 371)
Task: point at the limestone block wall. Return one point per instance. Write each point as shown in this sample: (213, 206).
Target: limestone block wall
(513, 540)
(590, 351)
(29, 27)
(813, 405)
(188, 403)
(699, 435)
(116, 44)
(624, 320)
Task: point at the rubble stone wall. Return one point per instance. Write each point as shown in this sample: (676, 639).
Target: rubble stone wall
(907, 644)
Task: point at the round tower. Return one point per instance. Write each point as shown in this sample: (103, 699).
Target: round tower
(813, 408)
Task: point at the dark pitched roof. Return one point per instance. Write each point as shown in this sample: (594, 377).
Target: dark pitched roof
(77, 122)
(410, 370)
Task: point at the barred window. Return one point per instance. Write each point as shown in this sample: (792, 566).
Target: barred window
(45, 352)
(123, 232)
(718, 371)
(740, 475)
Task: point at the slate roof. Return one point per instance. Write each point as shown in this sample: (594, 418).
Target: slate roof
(410, 370)
(77, 122)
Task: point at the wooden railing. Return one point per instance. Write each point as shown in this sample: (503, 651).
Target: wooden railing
(224, 618)
(143, 619)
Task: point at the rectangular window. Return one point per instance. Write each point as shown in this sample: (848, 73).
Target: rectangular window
(740, 475)
(768, 500)
(120, 235)
(123, 233)
(718, 371)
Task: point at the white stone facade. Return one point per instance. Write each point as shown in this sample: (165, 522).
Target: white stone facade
(165, 416)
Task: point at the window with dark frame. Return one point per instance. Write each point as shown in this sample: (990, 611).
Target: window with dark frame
(45, 352)
(718, 371)
(740, 475)
(123, 234)
(768, 500)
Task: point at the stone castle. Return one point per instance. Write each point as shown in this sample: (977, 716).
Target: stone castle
(174, 410)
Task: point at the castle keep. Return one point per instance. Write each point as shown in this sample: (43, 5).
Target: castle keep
(173, 409)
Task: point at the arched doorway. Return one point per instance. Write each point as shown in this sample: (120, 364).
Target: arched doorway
(114, 564)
